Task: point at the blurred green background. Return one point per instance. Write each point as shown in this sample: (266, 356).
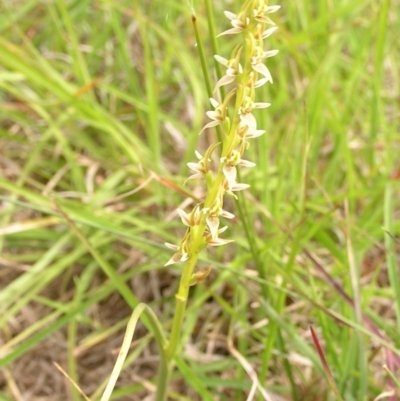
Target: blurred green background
(101, 106)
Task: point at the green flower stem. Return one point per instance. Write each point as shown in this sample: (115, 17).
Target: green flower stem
(197, 245)
(184, 284)
(197, 235)
(180, 306)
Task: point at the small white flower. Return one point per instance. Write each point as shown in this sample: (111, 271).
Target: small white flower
(263, 70)
(190, 219)
(232, 65)
(257, 62)
(229, 168)
(217, 116)
(182, 254)
(260, 14)
(259, 34)
(248, 105)
(238, 22)
(218, 241)
(213, 224)
(230, 174)
(233, 68)
(177, 257)
(202, 167)
(213, 213)
(249, 120)
(199, 168)
(184, 217)
(246, 118)
(222, 213)
(236, 188)
(249, 132)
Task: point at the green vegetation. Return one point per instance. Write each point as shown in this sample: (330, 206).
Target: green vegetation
(101, 106)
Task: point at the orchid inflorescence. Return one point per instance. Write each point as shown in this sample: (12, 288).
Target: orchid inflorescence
(245, 72)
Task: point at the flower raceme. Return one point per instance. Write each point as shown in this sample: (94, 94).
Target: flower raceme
(245, 72)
